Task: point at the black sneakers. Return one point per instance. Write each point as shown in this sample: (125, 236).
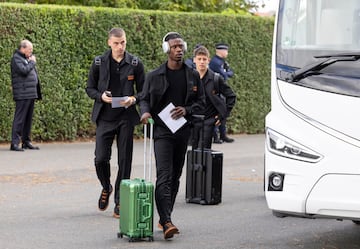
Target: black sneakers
(15, 147)
(169, 230)
(227, 139)
(117, 211)
(217, 140)
(104, 198)
(29, 146)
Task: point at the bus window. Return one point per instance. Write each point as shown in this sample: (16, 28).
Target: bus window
(307, 28)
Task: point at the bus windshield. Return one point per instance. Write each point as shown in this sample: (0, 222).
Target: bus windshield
(309, 29)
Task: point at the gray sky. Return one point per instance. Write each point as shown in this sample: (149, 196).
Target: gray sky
(269, 5)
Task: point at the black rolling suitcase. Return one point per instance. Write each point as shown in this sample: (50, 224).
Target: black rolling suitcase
(204, 174)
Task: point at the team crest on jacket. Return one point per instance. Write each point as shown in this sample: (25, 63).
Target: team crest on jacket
(131, 77)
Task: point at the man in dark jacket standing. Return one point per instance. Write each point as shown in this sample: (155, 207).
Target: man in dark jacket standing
(219, 65)
(171, 83)
(25, 89)
(114, 74)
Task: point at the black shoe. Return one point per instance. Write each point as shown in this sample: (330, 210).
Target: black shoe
(227, 139)
(217, 141)
(169, 230)
(104, 198)
(29, 146)
(117, 211)
(15, 148)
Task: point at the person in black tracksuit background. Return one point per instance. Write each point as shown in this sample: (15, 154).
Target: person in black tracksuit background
(172, 82)
(114, 74)
(216, 108)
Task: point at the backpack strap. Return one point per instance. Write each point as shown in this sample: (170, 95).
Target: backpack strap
(135, 61)
(216, 82)
(98, 61)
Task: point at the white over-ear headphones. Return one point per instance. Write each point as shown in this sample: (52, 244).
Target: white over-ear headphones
(165, 44)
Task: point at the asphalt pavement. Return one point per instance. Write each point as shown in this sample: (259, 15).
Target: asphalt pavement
(48, 199)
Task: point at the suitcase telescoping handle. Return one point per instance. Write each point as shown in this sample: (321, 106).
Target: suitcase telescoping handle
(148, 152)
(202, 118)
(202, 163)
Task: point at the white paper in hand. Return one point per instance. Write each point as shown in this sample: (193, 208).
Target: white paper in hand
(171, 123)
(116, 101)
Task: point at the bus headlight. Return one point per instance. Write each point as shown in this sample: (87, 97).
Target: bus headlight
(283, 146)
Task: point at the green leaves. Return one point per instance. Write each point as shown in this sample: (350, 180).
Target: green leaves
(66, 40)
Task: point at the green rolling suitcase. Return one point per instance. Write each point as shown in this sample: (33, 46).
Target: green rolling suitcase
(136, 209)
(137, 200)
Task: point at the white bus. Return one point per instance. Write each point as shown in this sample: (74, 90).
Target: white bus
(312, 149)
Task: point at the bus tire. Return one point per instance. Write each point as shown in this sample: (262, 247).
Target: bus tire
(278, 214)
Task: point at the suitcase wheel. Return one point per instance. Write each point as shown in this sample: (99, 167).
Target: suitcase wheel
(151, 239)
(119, 235)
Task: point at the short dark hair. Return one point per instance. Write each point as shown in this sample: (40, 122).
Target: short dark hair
(172, 35)
(201, 50)
(117, 32)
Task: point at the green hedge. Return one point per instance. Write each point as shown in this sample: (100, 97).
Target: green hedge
(66, 39)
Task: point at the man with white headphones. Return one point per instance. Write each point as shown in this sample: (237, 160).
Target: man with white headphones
(173, 82)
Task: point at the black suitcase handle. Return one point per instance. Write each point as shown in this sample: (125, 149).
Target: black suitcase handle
(148, 152)
(200, 168)
(202, 118)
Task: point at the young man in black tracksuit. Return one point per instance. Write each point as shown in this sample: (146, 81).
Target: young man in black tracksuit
(114, 74)
(176, 83)
(216, 108)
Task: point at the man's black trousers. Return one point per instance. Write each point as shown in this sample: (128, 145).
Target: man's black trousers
(170, 157)
(106, 131)
(22, 122)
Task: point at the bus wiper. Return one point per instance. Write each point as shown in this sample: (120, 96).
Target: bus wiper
(357, 54)
(326, 61)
